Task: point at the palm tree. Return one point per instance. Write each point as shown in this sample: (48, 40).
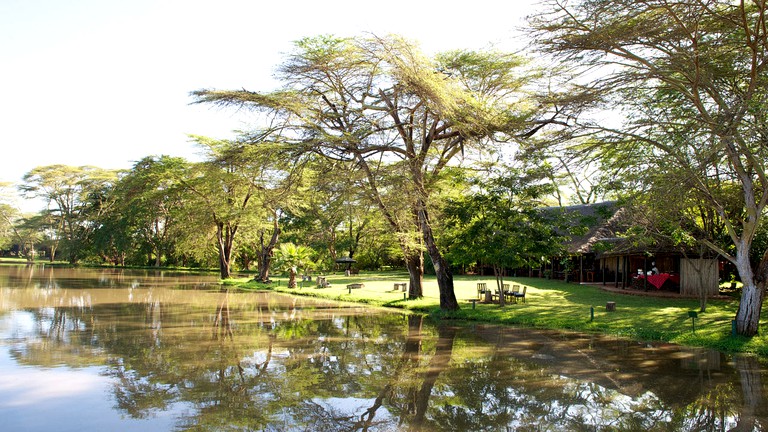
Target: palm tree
(292, 258)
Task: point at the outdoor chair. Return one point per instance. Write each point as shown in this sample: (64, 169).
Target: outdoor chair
(514, 292)
(521, 294)
(481, 289)
(496, 293)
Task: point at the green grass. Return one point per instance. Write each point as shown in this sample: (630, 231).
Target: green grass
(551, 304)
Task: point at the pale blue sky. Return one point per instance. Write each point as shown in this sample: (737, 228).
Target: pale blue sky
(106, 82)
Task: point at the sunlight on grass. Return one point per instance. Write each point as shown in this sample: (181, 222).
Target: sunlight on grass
(549, 304)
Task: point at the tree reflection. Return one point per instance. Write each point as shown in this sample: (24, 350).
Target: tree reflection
(754, 404)
(439, 362)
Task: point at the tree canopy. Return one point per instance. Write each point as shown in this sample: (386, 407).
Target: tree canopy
(384, 105)
(690, 79)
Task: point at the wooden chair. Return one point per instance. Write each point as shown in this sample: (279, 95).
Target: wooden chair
(514, 292)
(481, 289)
(520, 294)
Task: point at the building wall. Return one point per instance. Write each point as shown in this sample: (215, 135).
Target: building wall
(689, 276)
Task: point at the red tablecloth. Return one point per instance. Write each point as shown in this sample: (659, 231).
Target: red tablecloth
(657, 280)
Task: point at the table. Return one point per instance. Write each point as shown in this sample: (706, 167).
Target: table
(657, 280)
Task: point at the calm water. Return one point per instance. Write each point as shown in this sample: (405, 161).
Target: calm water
(111, 350)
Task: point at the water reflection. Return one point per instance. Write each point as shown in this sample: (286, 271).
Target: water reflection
(213, 360)
(49, 277)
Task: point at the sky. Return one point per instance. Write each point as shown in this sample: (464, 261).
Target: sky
(107, 82)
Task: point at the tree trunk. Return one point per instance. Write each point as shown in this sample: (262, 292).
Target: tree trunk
(752, 294)
(266, 251)
(156, 242)
(225, 235)
(414, 262)
(748, 315)
(332, 244)
(442, 269)
(54, 245)
(499, 273)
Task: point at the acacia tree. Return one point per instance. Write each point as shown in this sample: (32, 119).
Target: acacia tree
(279, 180)
(76, 197)
(233, 189)
(332, 211)
(8, 216)
(17, 229)
(691, 77)
(378, 101)
(150, 197)
(220, 192)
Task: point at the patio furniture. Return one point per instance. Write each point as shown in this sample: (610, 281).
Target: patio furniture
(513, 294)
(520, 294)
(481, 289)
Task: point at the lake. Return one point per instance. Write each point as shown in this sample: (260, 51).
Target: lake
(125, 350)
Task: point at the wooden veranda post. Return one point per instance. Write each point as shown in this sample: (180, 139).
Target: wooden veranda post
(645, 279)
(603, 266)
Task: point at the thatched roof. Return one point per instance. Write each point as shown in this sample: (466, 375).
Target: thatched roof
(589, 223)
(601, 228)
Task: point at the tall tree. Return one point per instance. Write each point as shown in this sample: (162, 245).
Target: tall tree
(379, 101)
(333, 212)
(691, 77)
(76, 196)
(240, 185)
(17, 230)
(8, 215)
(221, 192)
(150, 197)
(279, 179)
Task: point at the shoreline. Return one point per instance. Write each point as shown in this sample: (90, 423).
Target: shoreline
(554, 305)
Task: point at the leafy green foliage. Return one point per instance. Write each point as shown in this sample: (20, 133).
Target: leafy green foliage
(384, 105)
(293, 259)
(500, 225)
(77, 198)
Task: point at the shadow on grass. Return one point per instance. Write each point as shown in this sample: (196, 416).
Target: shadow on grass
(557, 305)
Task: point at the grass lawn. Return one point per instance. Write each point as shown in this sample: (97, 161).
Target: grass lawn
(551, 304)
